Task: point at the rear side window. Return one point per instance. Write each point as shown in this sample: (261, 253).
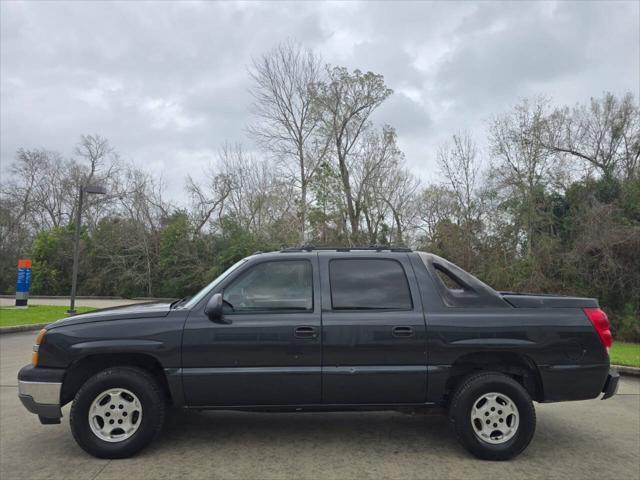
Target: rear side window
(447, 278)
(368, 284)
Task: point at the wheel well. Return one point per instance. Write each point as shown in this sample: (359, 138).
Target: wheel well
(83, 369)
(520, 367)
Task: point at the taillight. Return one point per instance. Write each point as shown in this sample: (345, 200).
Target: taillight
(601, 324)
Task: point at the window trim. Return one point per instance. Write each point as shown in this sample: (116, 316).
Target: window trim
(370, 310)
(248, 268)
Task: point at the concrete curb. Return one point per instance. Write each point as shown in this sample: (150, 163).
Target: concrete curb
(64, 297)
(23, 328)
(90, 297)
(155, 299)
(624, 370)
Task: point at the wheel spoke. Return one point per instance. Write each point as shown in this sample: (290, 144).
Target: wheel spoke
(494, 417)
(115, 415)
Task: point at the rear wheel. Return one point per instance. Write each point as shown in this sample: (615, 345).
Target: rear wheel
(493, 416)
(117, 412)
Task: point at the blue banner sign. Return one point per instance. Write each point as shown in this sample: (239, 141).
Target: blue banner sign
(23, 282)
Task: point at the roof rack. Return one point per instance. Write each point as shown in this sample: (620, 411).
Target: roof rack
(371, 248)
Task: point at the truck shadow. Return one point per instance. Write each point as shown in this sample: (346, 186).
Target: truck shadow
(395, 430)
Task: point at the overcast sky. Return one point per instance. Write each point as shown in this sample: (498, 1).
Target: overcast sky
(167, 82)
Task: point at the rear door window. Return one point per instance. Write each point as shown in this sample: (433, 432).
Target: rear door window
(369, 284)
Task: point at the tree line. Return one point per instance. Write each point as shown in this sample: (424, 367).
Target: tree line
(552, 204)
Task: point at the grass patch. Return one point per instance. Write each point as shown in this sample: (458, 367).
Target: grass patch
(625, 353)
(10, 316)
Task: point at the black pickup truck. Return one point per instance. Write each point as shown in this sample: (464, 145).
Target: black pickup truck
(324, 329)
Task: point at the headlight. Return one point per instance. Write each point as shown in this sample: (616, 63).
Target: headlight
(36, 347)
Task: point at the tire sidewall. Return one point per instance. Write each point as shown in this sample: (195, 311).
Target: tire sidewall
(133, 381)
(461, 416)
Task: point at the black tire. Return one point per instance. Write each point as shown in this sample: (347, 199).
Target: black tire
(468, 392)
(137, 381)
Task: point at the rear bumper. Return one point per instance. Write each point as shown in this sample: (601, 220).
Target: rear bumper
(39, 391)
(563, 383)
(611, 385)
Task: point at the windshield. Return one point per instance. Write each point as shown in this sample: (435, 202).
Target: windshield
(203, 293)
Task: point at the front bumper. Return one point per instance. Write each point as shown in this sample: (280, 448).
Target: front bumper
(39, 391)
(611, 385)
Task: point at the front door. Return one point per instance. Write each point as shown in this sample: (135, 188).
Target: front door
(373, 330)
(269, 353)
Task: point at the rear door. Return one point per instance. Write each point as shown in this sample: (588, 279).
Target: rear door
(373, 330)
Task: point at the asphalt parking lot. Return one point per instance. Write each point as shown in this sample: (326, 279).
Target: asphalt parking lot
(592, 439)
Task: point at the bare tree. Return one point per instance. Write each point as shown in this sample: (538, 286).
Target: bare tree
(382, 187)
(401, 186)
(96, 151)
(435, 204)
(523, 166)
(208, 199)
(344, 102)
(24, 181)
(374, 158)
(259, 195)
(97, 162)
(41, 181)
(287, 126)
(141, 200)
(605, 134)
(249, 191)
(47, 184)
(459, 164)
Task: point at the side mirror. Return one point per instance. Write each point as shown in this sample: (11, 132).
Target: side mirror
(213, 310)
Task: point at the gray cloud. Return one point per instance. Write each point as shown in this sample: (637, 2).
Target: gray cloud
(167, 82)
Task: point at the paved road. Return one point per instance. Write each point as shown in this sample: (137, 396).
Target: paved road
(592, 439)
(80, 302)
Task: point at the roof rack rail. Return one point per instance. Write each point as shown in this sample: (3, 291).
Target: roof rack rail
(373, 248)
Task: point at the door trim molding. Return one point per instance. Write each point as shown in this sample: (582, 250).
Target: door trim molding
(250, 370)
(373, 369)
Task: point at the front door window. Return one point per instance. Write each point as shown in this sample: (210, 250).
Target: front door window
(277, 286)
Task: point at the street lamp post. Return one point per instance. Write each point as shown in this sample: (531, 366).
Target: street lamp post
(76, 241)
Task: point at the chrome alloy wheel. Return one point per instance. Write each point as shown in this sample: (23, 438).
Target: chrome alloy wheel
(115, 415)
(495, 418)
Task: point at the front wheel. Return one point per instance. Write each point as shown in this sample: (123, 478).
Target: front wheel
(117, 412)
(493, 416)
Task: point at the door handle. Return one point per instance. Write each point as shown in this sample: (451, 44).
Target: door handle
(305, 332)
(402, 332)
